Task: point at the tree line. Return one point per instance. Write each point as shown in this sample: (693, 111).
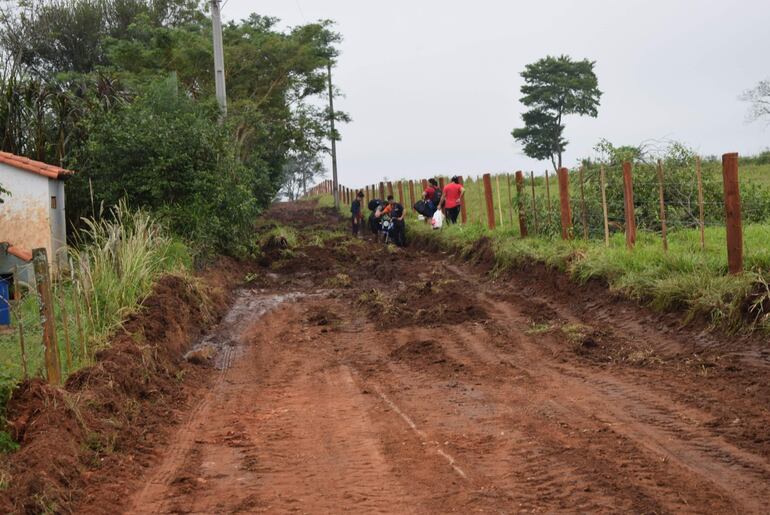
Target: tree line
(122, 91)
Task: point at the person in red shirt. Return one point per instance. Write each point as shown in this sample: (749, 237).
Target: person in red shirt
(451, 199)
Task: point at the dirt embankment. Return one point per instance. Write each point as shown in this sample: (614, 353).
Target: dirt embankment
(108, 418)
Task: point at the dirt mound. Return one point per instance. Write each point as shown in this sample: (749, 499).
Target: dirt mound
(104, 421)
(425, 353)
(428, 304)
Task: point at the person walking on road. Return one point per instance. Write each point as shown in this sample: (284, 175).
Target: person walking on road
(357, 215)
(451, 199)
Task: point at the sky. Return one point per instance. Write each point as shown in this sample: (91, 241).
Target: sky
(433, 86)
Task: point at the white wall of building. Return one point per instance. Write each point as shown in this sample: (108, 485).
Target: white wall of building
(26, 215)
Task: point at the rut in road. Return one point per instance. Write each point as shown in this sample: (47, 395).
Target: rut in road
(358, 396)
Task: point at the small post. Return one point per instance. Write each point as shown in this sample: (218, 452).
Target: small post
(424, 185)
(366, 193)
(548, 195)
(566, 212)
(441, 183)
(662, 206)
(390, 188)
(463, 213)
(604, 207)
(489, 202)
(520, 204)
(732, 213)
(499, 202)
(411, 195)
(700, 204)
(19, 320)
(583, 214)
(482, 205)
(510, 198)
(52, 364)
(382, 191)
(628, 204)
(534, 205)
(400, 193)
(65, 327)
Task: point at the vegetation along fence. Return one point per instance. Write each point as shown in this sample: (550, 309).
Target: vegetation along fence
(700, 198)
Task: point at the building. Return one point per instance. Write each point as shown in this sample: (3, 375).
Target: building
(32, 216)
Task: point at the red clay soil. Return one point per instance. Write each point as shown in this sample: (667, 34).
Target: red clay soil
(107, 418)
(365, 387)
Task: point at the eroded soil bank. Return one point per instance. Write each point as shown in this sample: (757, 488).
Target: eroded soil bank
(349, 377)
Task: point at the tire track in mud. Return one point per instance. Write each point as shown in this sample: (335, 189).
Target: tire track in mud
(659, 424)
(326, 410)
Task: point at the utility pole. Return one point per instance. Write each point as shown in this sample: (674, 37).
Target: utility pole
(219, 56)
(335, 189)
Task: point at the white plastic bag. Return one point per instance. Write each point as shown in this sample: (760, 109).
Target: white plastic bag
(438, 219)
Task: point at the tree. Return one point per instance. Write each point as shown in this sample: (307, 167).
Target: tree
(555, 87)
(300, 170)
(759, 98)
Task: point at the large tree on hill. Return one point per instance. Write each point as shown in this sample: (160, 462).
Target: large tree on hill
(554, 87)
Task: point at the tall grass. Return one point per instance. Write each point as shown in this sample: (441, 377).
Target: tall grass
(112, 268)
(117, 260)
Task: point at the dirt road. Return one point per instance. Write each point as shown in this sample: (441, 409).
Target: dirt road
(352, 379)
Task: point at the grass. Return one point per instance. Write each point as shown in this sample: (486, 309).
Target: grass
(113, 268)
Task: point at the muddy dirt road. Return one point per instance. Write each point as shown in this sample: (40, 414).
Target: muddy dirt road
(354, 379)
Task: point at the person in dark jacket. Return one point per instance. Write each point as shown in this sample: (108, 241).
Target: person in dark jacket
(356, 214)
(397, 214)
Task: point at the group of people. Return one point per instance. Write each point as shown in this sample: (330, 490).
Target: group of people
(387, 219)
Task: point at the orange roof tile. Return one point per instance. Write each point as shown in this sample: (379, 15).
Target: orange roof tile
(21, 253)
(30, 165)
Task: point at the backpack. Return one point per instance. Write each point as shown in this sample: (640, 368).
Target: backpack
(420, 206)
(374, 204)
(437, 196)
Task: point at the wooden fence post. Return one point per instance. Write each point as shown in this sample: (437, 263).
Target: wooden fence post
(603, 186)
(19, 320)
(732, 213)
(390, 188)
(489, 202)
(441, 183)
(628, 204)
(42, 279)
(510, 198)
(400, 193)
(382, 191)
(700, 204)
(411, 195)
(583, 214)
(662, 206)
(482, 205)
(548, 195)
(534, 204)
(520, 204)
(566, 212)
(499, 202)
(65, 327)
(463, 212)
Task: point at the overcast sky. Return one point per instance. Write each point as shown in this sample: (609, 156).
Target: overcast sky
(433, 86)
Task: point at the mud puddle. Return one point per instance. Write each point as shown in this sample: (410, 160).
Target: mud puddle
(221, 346)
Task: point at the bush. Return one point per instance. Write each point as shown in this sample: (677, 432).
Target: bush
(167, 154)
